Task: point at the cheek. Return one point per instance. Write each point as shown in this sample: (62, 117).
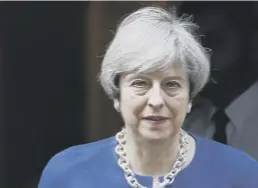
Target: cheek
(131, 105)
(178, 106)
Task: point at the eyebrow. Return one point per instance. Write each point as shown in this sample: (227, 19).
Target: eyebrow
(133, 76)
(175, 78)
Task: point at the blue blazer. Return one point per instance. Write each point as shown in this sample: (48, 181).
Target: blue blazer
(94, 165)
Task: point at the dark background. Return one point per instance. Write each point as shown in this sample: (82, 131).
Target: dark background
(50, 54)
(42, 85)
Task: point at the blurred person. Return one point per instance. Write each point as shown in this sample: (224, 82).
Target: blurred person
(152, 70)
(226, 110)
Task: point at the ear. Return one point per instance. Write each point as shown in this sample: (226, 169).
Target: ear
(189, 107)
(117, 105)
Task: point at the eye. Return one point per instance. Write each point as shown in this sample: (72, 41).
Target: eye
(172, 85)
(139, 83)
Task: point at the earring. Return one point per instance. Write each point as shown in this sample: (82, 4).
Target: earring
(189, 107)
(117, 105)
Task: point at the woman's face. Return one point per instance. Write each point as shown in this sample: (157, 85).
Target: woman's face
(154, 105)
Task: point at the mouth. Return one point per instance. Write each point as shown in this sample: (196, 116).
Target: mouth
(155, 119)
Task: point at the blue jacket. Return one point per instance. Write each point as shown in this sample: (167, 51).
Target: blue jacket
(94, 165)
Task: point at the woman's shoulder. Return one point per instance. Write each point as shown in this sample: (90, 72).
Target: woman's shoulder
(227, 161)
(218, 150)
(71, 159)
(84, 151)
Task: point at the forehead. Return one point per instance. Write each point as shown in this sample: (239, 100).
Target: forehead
(175, 71)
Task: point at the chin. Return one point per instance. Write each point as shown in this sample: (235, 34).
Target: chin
(156, 134)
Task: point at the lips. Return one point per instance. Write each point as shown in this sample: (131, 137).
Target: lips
(155, 118)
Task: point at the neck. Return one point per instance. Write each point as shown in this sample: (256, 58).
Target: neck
(151, 158)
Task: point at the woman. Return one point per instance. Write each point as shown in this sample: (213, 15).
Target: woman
(152, 70)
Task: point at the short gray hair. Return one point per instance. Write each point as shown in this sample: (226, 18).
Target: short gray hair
(151, 39)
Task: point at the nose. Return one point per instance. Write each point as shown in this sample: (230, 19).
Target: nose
(155, 100)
